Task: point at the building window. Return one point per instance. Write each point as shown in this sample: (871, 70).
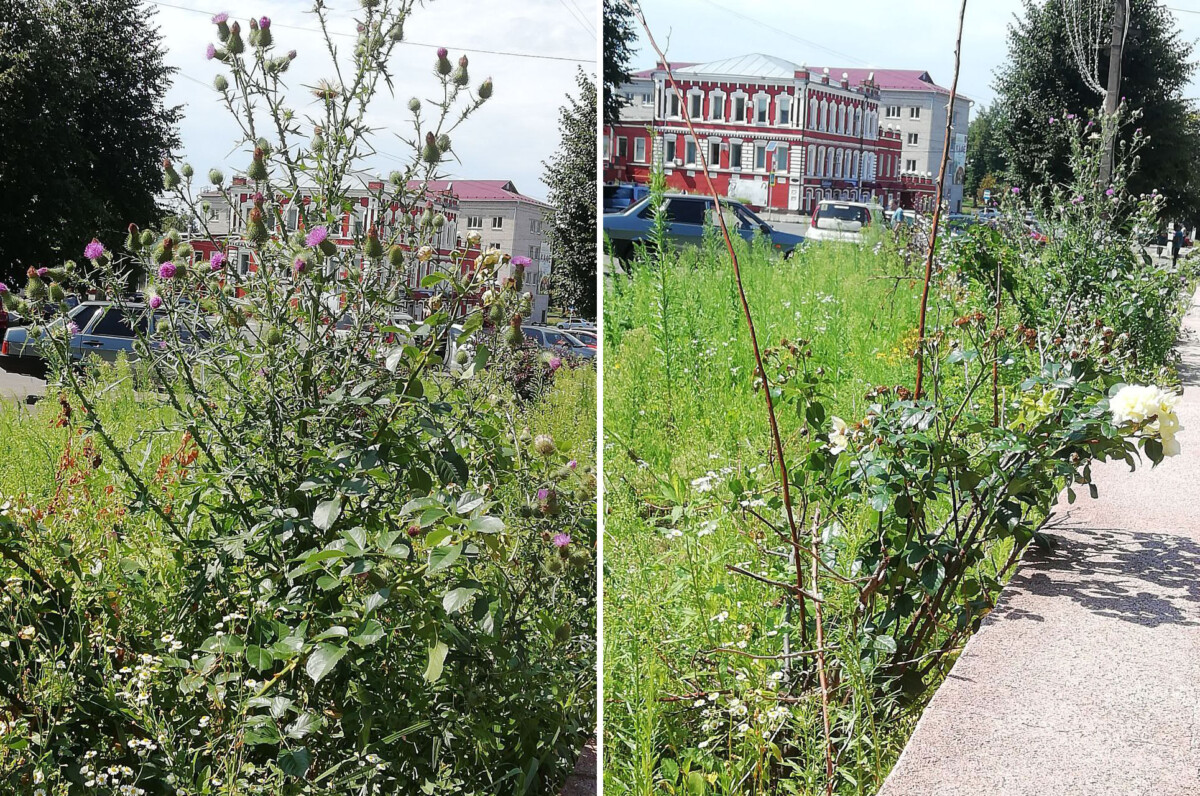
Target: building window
(672, 104)
(739, 109)
(810, 160)
(535, 253)
(785, 110)
(535, 226)
(914, 112)
(497, 222)
(694, 106)
(622, 148)
(760, 109)
(474, 222)
(893, 112)
(735, 154)
(244, 263)
(689, 153)
(647, 99)
(293, 217)
(910, 165)
(781, 157)
(639, 150)
(716, 107)
(912, 139)
(760, 157)
(714, 154)
(669, 150)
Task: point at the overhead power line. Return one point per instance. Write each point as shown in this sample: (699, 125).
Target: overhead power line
(774, 28)
(505, 53)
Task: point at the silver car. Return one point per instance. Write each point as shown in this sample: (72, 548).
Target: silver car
(559, 340)
(105, 331)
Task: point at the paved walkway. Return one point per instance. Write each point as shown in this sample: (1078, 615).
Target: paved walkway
(1085, 681)
(583, 781)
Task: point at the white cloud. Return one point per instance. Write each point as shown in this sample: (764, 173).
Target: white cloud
(507, 139)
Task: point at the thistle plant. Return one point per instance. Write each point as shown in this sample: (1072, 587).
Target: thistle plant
(376, 583)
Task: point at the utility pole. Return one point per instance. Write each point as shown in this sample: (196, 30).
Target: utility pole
(1112, 97)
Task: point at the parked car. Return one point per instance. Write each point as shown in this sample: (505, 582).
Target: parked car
(837, 220)
(558, 340)
(687, 216)
(586, 336)
(619, 197)
(578, 323)
(105, 331)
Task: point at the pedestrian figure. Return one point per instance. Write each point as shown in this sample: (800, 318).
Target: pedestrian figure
(1176, 244)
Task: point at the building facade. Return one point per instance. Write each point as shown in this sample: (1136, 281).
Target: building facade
(228, 210)
(914, 105)
(771, 133)
(507, 220)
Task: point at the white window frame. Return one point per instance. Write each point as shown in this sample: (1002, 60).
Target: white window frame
(497, 222)
(474, 222)
(622, 147)
(760, 156)
(892, 112)
(639, 150)
(913, 139)
(744, 98)
(714, 162)
(716, 103)
(766, 114)
(691, 153)
(783, 104)
(735, 164)
(914, 112)
(695, 99)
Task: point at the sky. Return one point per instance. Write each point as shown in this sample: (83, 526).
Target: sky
(507, 139)
(896, 34)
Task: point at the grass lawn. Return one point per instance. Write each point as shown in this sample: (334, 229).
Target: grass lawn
(681, 418)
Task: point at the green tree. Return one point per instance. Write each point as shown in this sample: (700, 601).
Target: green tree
(83, 130)
(571, 176)
(985, 149)
(1041, 81)
(619, 39)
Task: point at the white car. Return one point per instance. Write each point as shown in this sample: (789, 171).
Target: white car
(843, 221)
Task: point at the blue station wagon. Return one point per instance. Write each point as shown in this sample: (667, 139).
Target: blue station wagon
(687, 216)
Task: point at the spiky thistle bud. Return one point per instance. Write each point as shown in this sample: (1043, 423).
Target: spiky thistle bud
(216, 177)
(430, 152)
(414, 105)
(220, 83)
(485, 89)
(396, 32)
(187, 171)
(373, 248)
(443, 143)
(460, 76)
(264, 32)
(258, 166)
(147, 238)
(170, 176)
(235, 44)
(396, 257)
(256, 230)
(222, 23)
(443, 65)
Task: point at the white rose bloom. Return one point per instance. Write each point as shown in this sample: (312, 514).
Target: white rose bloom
(838, 435)
(1136, 404)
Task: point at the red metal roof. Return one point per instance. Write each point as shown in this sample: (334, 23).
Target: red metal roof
(895, 79)
(482, 191)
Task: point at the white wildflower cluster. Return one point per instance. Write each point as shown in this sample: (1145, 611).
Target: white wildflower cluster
(711, 479)
(839, 435)
(136, 681)
(1152, 409)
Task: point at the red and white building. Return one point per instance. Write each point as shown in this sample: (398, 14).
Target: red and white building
(518, 217)
(773, 134)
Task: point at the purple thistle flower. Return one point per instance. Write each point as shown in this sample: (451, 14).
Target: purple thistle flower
(210, 52)
(217, 260)
(543, 495)
(571, 465)
(1053, 120)
(1070, 116)
(94, 250)
(155, 302)
(72, 328)
(166, 271)
(299, 265)
(561, 540)
(443, 52)
(219, 18)
(316, 237)
(3, 288)
(264, 23)
(1109, 192)
(1078, 200)
(555, 363)
(43, 271)
(522, 261)
(1016, 191)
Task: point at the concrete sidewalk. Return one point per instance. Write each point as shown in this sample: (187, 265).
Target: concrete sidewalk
(1085, 680)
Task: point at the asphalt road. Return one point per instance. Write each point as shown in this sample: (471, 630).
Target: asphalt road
(15, 387)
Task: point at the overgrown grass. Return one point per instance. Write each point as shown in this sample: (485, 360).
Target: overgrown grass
(679, 409)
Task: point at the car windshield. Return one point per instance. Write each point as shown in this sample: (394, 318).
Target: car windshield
(557, 338)
(844, 212)
(586, 337)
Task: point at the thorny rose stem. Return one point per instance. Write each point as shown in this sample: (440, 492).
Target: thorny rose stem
(937, 208)
(737, 275)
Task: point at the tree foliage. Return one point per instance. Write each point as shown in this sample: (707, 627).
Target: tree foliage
(84, 128)
(619, 38)
(571, 175)
(985, 149)
(1041, 81)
